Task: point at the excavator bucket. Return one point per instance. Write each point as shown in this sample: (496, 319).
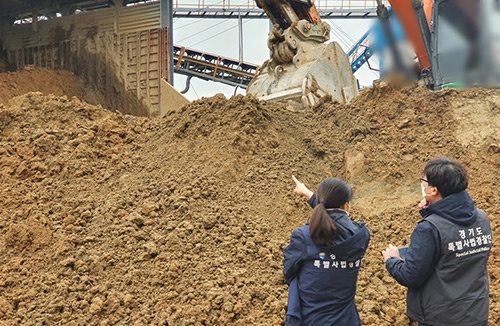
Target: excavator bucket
(315, 72)
(303, 68)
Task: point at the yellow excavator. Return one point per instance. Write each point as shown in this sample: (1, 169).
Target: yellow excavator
(302, 68)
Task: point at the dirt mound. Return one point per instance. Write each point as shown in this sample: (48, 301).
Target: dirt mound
(112, 219)
(59, 83)
(42, 80)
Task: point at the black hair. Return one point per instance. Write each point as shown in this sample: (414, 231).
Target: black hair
(447, 175)
(332, 193)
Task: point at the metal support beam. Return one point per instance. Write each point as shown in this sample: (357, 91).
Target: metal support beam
(253, 13)
(166, 20)
(34, 21)
(240, 36)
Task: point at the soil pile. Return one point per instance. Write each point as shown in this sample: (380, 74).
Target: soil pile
(44, 80)
(109, 219)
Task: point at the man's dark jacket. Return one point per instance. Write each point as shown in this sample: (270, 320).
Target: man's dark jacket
(445, 268)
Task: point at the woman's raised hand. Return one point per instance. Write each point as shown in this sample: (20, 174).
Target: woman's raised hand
(301, 188)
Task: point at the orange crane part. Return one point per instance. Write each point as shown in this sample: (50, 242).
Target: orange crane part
(406, 14)
(428, 10)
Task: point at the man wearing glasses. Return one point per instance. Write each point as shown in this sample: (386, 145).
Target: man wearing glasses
(445, 266)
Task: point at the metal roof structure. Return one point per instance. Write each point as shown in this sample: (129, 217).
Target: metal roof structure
(187, 12)
(19, 9)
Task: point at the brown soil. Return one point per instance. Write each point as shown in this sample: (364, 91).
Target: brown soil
(33, 79)
(108, 219)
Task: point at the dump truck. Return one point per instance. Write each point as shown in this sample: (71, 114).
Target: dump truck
(303, 68)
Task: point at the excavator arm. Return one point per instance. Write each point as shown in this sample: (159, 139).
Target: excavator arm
(286, 13)
(294, 22)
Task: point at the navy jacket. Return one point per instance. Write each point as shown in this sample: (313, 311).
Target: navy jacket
(323, 279)
(419, 272)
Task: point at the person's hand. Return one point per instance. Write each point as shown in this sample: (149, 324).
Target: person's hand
(301, 188)
(390, 251)
(423, 203)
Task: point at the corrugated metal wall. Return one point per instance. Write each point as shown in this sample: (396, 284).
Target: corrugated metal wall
(119, 50)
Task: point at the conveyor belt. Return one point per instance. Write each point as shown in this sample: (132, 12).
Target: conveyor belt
(209, 66)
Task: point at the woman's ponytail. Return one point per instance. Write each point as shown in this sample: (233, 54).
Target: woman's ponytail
(321, 227)
(332, 193)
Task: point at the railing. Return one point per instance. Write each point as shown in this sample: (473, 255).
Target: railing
(360, 53)
(248, 4)
(249, 9)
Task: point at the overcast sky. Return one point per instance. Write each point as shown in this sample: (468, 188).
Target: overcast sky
(221, 37)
